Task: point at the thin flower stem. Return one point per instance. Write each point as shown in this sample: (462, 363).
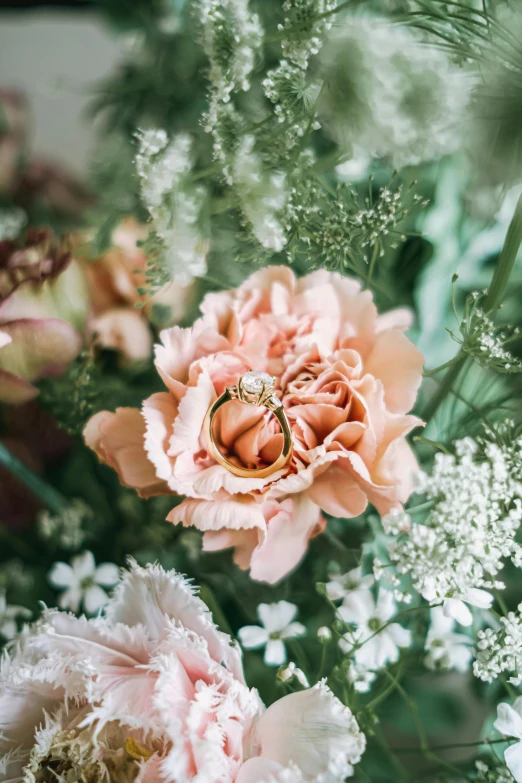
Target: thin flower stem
(358, 645)
(445, 386)
(429, 373)
(50, 497)
(454, 746)
(424, 748)
(397, 763)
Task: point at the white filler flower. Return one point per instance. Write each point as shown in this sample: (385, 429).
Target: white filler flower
(509, 722)
(375, 642)
(446, 649)
(83, 581)
(8, 616)
(277, 624)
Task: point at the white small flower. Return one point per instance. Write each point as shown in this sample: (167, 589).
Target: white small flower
(341, 585)
(83, 581)
(291, 672)
(360, 677)
(277, 621)
(8, 616)
(446, 649)
(456, 607)
(378, 644)
(509, 722)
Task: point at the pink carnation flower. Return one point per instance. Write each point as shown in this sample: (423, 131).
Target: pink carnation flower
(347, 378)
(154, 693)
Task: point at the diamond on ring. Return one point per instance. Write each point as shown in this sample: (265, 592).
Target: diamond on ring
(255, 382)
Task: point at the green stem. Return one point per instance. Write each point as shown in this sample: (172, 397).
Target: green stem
(49, 496)
(505, 261)
(445, 386)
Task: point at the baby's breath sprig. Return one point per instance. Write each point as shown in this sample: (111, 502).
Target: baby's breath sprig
(484, 340)
(347, 229)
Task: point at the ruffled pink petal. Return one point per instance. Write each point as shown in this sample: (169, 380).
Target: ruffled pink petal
(179, 348)
(241, 512)
(243, 542)
(396, 362)
(125, 330)
(119, 440)
(147, 596)
(338, 494)
(159, 412)
(290, 525)
(399, 318)
(258, 770)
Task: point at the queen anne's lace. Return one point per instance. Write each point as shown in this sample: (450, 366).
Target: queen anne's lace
(471, 528)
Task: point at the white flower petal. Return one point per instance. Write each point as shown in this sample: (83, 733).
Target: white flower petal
(275, 617)
(258, 770)
(401, 636)
(95, 597)
(509, 721)
(71, 599)
(84, 565)
(386, 606)
(275, 653)
(107, 574)
(313, 729)
(357, 607)
(293, 630)
(253, 636)
(454, 607)
(61, 575)
(513, 759)
(480, 598)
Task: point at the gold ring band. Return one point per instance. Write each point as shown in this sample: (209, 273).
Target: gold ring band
(253, 389)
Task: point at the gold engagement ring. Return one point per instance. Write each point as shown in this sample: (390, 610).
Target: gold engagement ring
(253, 388)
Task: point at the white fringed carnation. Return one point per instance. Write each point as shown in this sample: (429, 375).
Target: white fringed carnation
(456, 553)
(173, 204)
(154, 691)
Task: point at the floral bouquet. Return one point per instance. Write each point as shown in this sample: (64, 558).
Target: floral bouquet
(260, 422)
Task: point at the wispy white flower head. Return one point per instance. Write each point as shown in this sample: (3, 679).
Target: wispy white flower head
(154, 691)
(174, 205)
(455, 554)
(388, 94)
(277, 625)
(83, 582)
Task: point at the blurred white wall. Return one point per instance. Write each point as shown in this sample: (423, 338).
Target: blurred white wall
(54, 57)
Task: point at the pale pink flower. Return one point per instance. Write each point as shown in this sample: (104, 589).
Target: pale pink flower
(153, 692)
(120, 310)
(43, 309)
(347, 378)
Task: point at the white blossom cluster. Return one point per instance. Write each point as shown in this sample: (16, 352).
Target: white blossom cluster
(67, 527)
(263, 195)
(174, 206)
(305, 24)
(500, 650)
(231, 36)
(456, 553)
(288, 85)
(484, 340)
(390, 95)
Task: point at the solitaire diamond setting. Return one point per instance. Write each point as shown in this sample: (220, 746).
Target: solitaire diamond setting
(255, 382)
